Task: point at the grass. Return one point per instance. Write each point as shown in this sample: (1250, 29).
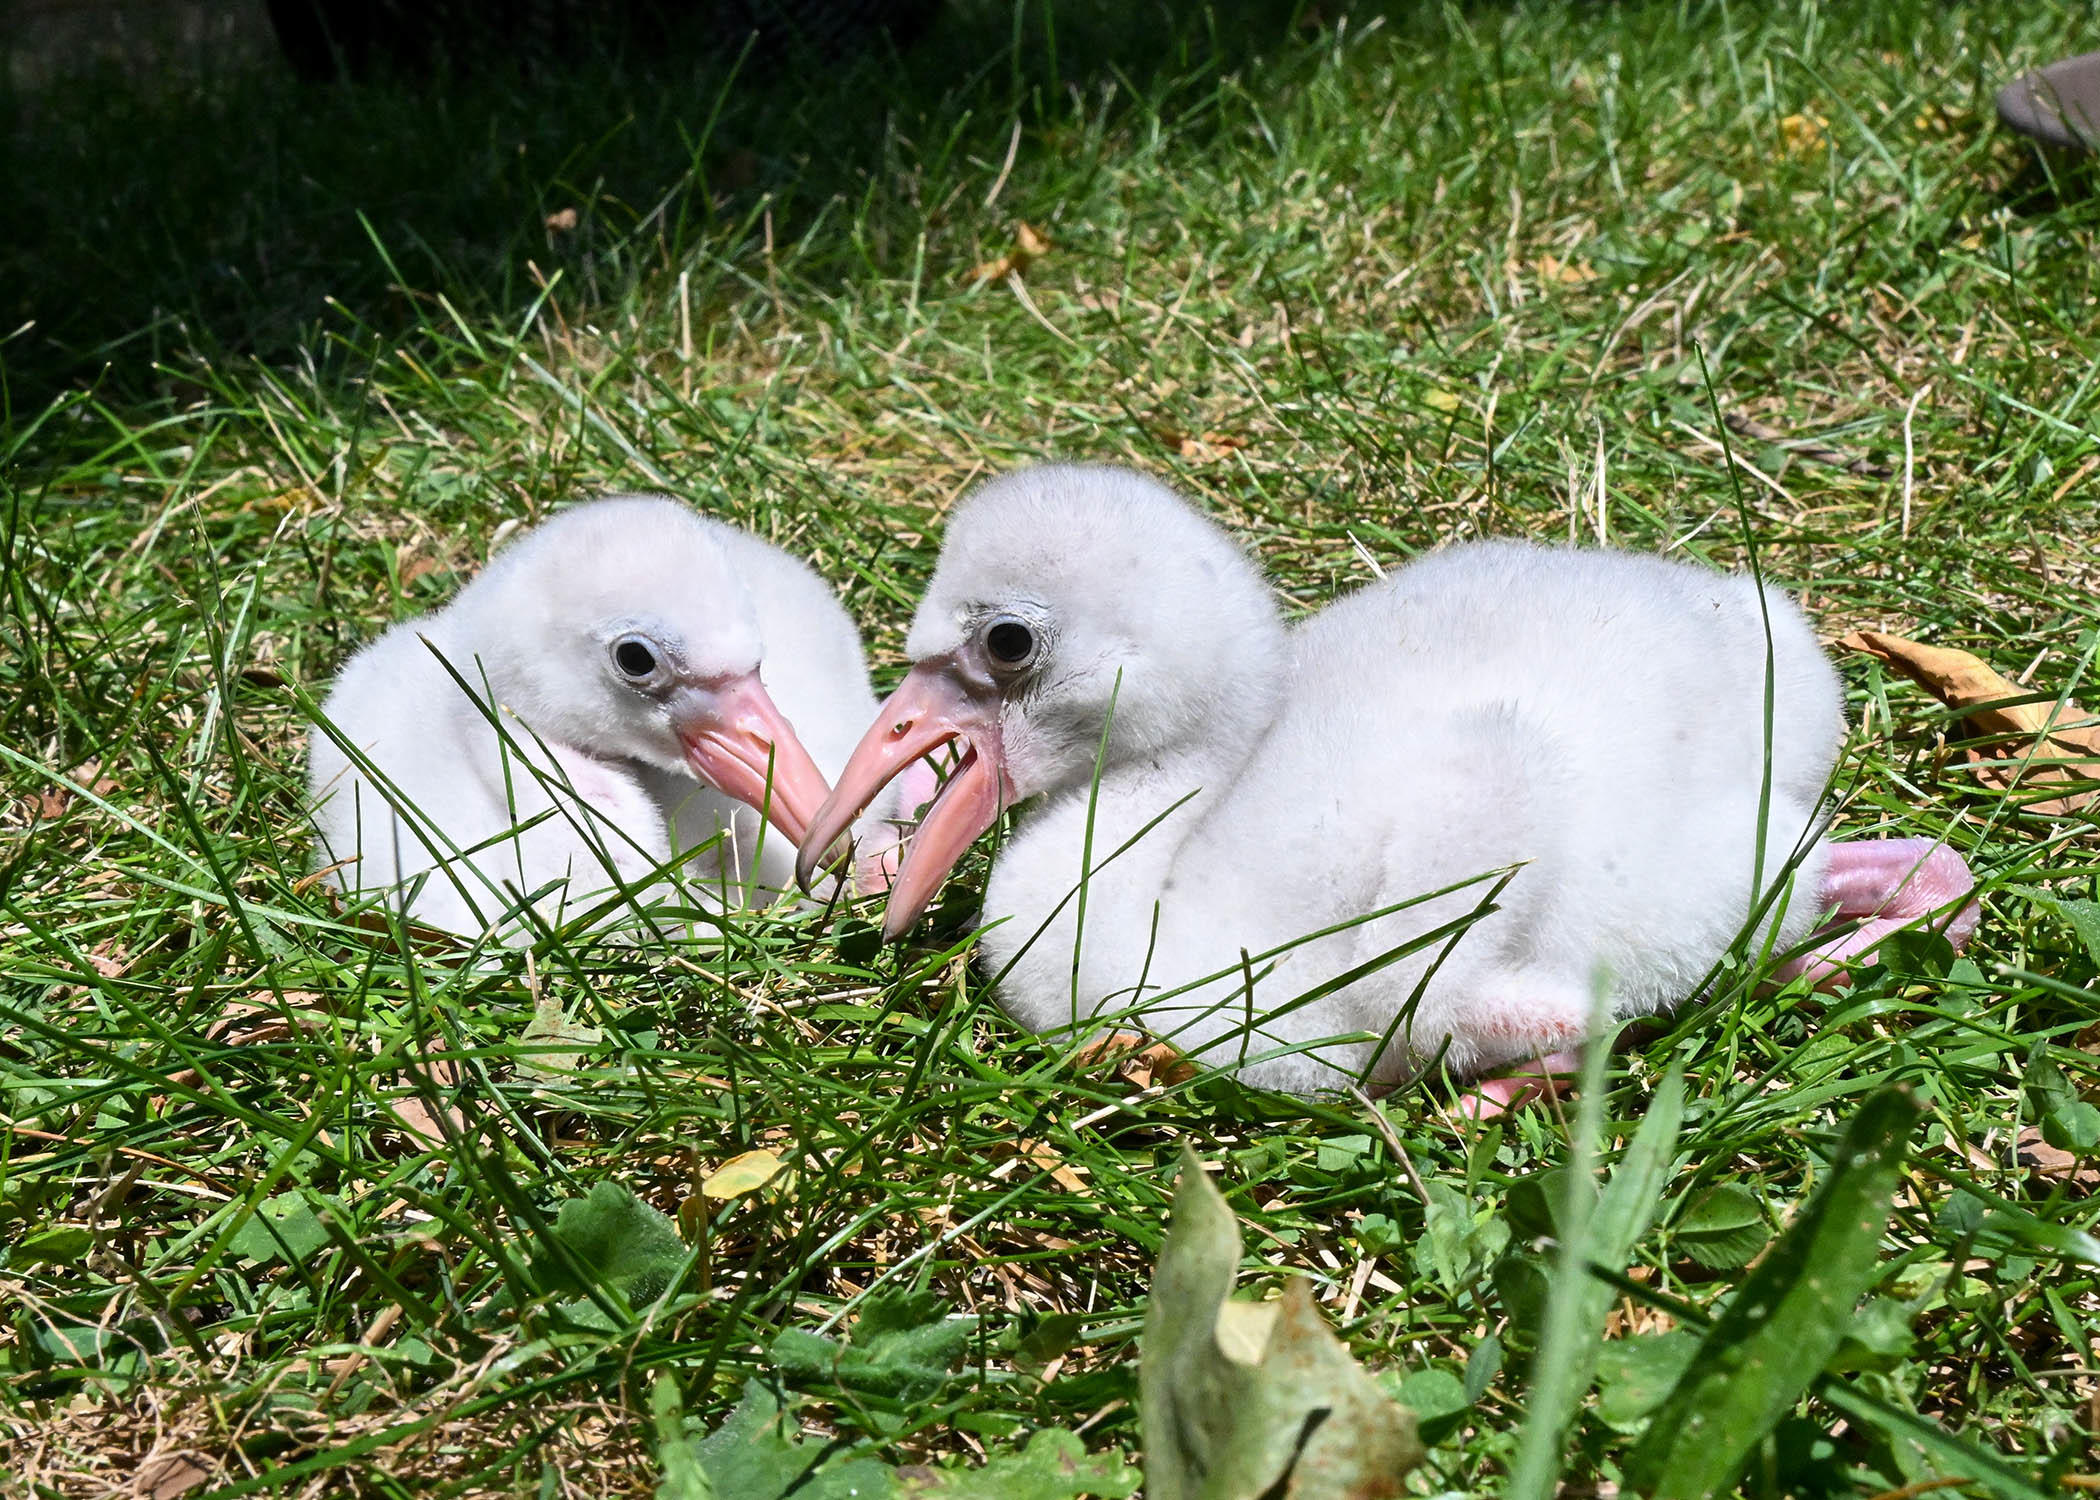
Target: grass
(1365, 281)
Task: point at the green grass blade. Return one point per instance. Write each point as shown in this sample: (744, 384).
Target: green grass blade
(1786, 1320)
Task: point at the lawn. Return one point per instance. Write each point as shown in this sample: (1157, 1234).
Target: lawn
(280, 1193)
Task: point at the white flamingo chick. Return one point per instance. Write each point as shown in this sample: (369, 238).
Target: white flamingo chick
(658, 678)
(1593, 721)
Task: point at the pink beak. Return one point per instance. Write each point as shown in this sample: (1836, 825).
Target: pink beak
(737, 741)
(930, 708)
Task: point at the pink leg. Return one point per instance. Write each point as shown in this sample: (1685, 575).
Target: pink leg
(1517, 1088)
(1885, 885)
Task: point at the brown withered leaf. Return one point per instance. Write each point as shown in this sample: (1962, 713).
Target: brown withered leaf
(1043, 1157)
(417, 565)
(416, 1117)
(1201, 448)
(2030, 744)
(2032, 1151)
(562, 220)
(1566, 272)
(1137, 1059)
(1030, 246)
(50, 801)
(166, 1476)
(88, 776)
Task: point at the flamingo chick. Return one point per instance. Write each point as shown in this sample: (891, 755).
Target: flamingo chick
(1260, 811)
(624, 681)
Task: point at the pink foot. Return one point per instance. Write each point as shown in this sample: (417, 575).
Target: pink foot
(1525, 1083)
(1885, 885)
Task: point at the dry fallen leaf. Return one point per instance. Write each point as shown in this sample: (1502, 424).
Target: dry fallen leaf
(416, 565)
(1567, 273)
(1043, 1157)
(1803, 133)
(50, 801)
(415, 1116)
(2031, 744)
(165, 1476)
(548, 1027)
(562, 220)
(741, 1175)
(2049, 1161)
(1204, 448)
(1137, 1059)
(1245, 1399)
(1030, 246)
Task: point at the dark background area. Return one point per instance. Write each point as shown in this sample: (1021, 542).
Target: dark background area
(176, 193)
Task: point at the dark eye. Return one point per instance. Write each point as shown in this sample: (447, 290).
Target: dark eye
(634, 657)
(1010, 642)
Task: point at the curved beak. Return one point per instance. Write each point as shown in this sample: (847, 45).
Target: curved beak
(930, 708)
(736, 740)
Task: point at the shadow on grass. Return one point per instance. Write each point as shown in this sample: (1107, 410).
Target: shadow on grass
(157, 222)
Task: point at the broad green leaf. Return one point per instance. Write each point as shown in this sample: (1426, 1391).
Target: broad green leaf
(1436, 1397)
(1482, 1366)
(1635, 1375)
(903, 1347)
(677, 1455)
(1784, 1323)
(1377, 1234)
(1345, 1153)
(1723, 1228)
(1054, 1466)
(282, 1228)
(759, 1453)
(616, 1241)
(2083, 916)
(1534, 1204)
(2067, 1121)
(1602, 1235)
(1879, 1338)
(1050, 1337)
(1243, 1401)
(1457, 1244)
(60, 1245)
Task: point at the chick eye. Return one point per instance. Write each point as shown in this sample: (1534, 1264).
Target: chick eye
(633, 657)
(1010, 642)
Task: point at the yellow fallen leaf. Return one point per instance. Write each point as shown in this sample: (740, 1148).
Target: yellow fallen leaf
(1030, 246)
(1803, 133)
(1566, 272)
(2030, 743)
(1443, 400)
(1044, 1158)
(741, 1175)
